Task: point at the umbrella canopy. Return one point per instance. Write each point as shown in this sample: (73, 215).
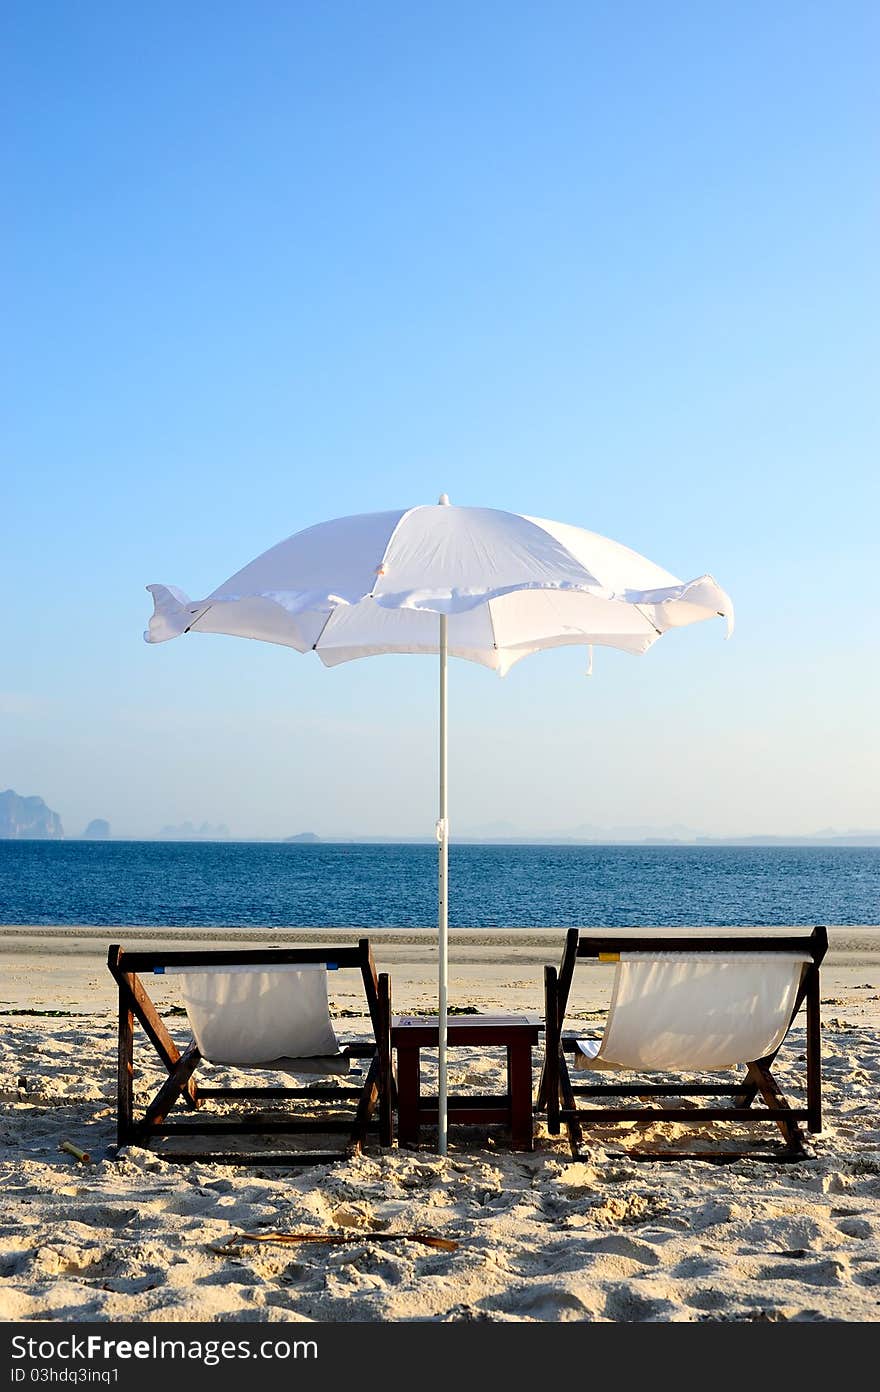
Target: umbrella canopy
(509, 586)
(479, 583)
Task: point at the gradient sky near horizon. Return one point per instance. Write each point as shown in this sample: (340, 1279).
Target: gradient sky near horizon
(610, 263)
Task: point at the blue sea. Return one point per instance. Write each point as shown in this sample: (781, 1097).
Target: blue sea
(395, 886)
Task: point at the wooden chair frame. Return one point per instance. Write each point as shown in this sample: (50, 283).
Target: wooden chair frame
(135, 1004)
(558, 1095)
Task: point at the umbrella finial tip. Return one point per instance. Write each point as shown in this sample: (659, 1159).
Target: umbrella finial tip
(443, 500)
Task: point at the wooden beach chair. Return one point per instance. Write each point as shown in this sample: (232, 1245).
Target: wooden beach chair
(683, 1005)
(254, 1009)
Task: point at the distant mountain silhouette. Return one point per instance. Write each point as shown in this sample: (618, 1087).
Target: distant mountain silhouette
(188, 832)
(26, 817)
(97, 830)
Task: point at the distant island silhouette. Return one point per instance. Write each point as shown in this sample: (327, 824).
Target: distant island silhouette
(28, 818)
(187, 831)
(98, 829)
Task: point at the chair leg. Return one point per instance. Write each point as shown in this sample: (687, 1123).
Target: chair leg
(386, 1084)
(550, 1073)
(371, 1091)
(125, 1073)
(171, 1089)
(776, 1102)
(573, 1126)
(747, 1093)
(541, 1096)
(814, 1054)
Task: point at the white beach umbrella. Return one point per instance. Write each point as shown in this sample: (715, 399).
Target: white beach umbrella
(477, 583)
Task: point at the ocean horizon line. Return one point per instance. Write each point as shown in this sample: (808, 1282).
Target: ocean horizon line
(855, 841)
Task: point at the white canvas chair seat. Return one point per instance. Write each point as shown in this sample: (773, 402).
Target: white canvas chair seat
(681, 1012)
(257, 1017)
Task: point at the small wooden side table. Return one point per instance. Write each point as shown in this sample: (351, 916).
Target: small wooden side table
(513, 1109)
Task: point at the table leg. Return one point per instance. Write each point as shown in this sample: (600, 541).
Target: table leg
(408, 1089)
(519, 1087)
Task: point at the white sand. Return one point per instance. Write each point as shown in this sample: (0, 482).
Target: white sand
(540, 1238)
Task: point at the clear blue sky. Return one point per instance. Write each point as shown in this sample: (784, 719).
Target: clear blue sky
(612, 263)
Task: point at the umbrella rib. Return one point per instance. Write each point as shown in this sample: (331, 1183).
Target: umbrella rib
(492, 624)
(323, 629)
(639, 610)
(394, 530)
(198, 617)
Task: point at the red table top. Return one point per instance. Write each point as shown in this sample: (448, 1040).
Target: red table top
(466, 1029)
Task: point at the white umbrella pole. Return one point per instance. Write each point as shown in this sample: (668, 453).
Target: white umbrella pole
(442, 900)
